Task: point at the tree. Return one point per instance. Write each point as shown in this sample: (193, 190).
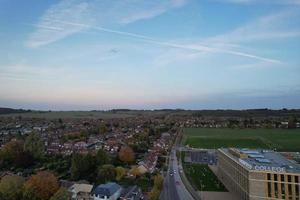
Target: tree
(11, 187)
(83, 166)
(30, 193)
(157, 187)
(158, 182)
(103, 128)
(154, 194)
(34, 145)
(126, 154)
(44, 183)
(12, 154)
(102, 158)
(106, 173)
(77, 166)
(62, 194)
(120, 173)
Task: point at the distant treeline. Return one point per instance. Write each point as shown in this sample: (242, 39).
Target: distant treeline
(181, 112)
(221, 112)
(11, 110)
(249, 113)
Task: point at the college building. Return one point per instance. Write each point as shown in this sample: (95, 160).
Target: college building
(258, 174)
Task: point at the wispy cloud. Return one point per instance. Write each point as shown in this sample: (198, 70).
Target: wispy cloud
(278, 2)
(274, 26)
(94, 12)
(190, 47)
(278, 26)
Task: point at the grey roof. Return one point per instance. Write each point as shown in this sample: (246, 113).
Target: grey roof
(133, 192)
(107, 189)
(266, 160)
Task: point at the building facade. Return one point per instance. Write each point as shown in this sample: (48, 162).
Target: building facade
(258, 174)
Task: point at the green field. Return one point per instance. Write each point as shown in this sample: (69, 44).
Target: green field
(211, 138)
(202, 178)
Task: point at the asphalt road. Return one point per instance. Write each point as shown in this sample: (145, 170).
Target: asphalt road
(174, 188)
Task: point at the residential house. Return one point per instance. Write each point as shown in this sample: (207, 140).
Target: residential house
(108, 191)
(81, 191)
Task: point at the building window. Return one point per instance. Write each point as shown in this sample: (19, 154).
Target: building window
(282, 177)
(296, 179)
(276, 189)
(269, 176)
(290, 190)
(289, 178)
(269, 190)
(275, 177)
(282, 190)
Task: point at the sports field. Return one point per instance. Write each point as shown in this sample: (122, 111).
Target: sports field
(211, 138)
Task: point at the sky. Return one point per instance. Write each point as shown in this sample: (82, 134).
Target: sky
(142, 54)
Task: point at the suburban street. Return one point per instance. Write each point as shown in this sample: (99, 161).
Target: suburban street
(173, 185)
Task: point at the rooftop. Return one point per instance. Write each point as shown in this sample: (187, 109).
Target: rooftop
(263, 160)
(107, 189)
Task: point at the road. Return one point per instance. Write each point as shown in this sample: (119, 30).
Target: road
(174, 188)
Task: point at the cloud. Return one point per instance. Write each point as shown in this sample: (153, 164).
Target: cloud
(277, 26)
(276, 2)
(274, 26)
(91, 13)
(66, 9)
(190, 47)
(157, 9)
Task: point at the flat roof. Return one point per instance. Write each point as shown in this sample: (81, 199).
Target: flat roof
(264, 160)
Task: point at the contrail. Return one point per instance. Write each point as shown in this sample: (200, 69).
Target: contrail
(197, 47)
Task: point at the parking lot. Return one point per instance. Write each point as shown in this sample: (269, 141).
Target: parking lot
(201, 157)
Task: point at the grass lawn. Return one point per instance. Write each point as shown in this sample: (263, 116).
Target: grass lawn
(202, 178)
(279, 139)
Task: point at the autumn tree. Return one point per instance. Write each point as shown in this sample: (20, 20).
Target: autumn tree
(13, 154)
(30, 193)
(62, 194)
(157, 187)
(154, 194)
(11, 187)
(126, 154)
(34, 145)
(120, 173)
(158, 182)
(102, 128)
(45, 184)
(106, 173)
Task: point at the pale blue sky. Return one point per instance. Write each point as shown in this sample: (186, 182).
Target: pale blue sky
(193, 54)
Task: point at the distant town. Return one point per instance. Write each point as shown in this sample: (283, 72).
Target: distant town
(130, 154)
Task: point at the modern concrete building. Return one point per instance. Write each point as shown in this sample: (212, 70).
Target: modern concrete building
(258, 174)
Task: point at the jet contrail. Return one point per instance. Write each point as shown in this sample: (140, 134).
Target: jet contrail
(197, 47)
